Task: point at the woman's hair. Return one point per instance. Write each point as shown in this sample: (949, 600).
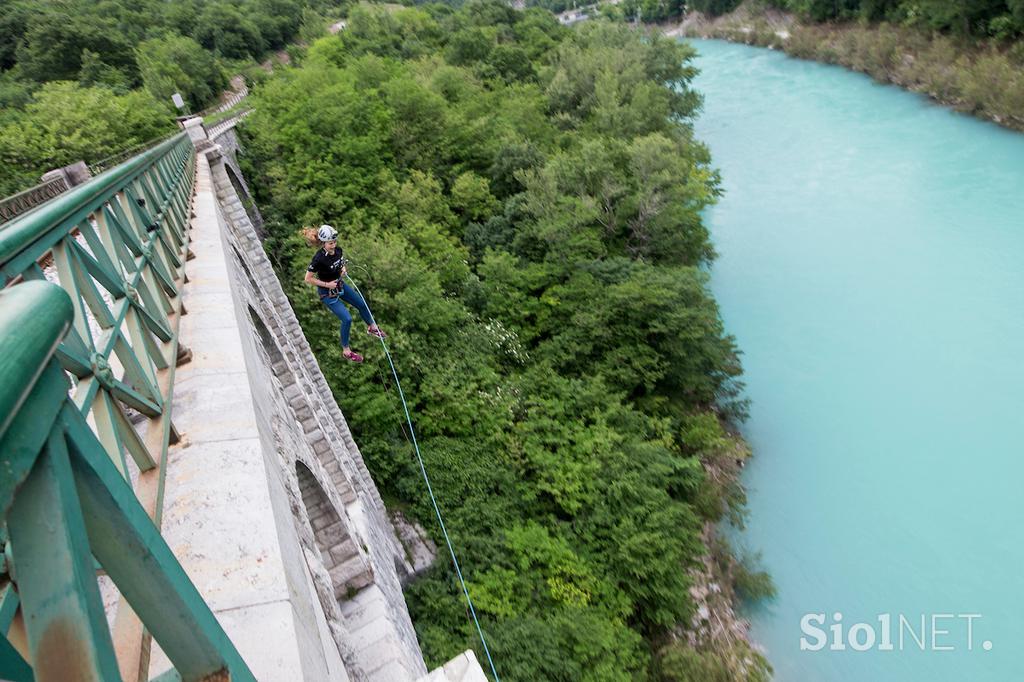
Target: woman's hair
(309, 234)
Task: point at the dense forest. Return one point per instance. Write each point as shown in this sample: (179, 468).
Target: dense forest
(522, 204)
(978, 18)
(81, 80)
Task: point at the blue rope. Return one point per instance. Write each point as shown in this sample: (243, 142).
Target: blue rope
(426, 479)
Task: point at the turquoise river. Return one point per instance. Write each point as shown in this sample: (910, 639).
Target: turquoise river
(872, 270)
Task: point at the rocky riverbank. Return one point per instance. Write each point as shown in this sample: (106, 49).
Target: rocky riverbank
(985, 80)
(716, 644)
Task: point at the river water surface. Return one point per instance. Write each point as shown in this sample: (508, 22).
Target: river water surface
(872, 269)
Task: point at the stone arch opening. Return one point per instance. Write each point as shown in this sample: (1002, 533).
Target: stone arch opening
(236, 182)
(245, 268)
(247, 200)
(265, 337)
(345, 564)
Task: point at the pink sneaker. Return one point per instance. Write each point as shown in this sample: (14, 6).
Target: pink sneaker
(351, 355)
(374, 330)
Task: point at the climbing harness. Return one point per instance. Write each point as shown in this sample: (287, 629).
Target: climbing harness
(333, 292)
(430, 490)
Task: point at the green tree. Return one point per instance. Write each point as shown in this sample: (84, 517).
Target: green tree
(55, 39)
(14, 18)
(713, 7)
(178, 64)
(311, 26)
(225, 30)
(277, 20)
(469, 45)
(94, 71)
(67, 122)
(471, 196)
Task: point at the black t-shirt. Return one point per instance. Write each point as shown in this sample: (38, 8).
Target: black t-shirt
(327, 268)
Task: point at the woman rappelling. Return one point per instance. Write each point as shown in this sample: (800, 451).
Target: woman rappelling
(327, 273)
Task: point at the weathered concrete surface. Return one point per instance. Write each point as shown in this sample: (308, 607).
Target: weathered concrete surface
(420, 550)
(194, 127)
(462, 668)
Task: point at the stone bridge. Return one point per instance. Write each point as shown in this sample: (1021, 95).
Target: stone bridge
(267, 504)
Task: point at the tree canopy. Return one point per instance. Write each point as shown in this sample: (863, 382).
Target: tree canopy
(522, 207)
(71, 62)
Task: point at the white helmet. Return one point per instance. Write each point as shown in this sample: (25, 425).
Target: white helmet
(326, 233)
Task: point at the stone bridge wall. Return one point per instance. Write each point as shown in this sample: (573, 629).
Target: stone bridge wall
(269, 505)
(331, 549)
(230, 147)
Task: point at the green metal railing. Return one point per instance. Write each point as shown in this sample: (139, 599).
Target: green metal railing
(97, 167)
(86, 379)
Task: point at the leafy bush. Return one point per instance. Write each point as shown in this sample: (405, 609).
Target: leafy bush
(680, 663)
(751, 582)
